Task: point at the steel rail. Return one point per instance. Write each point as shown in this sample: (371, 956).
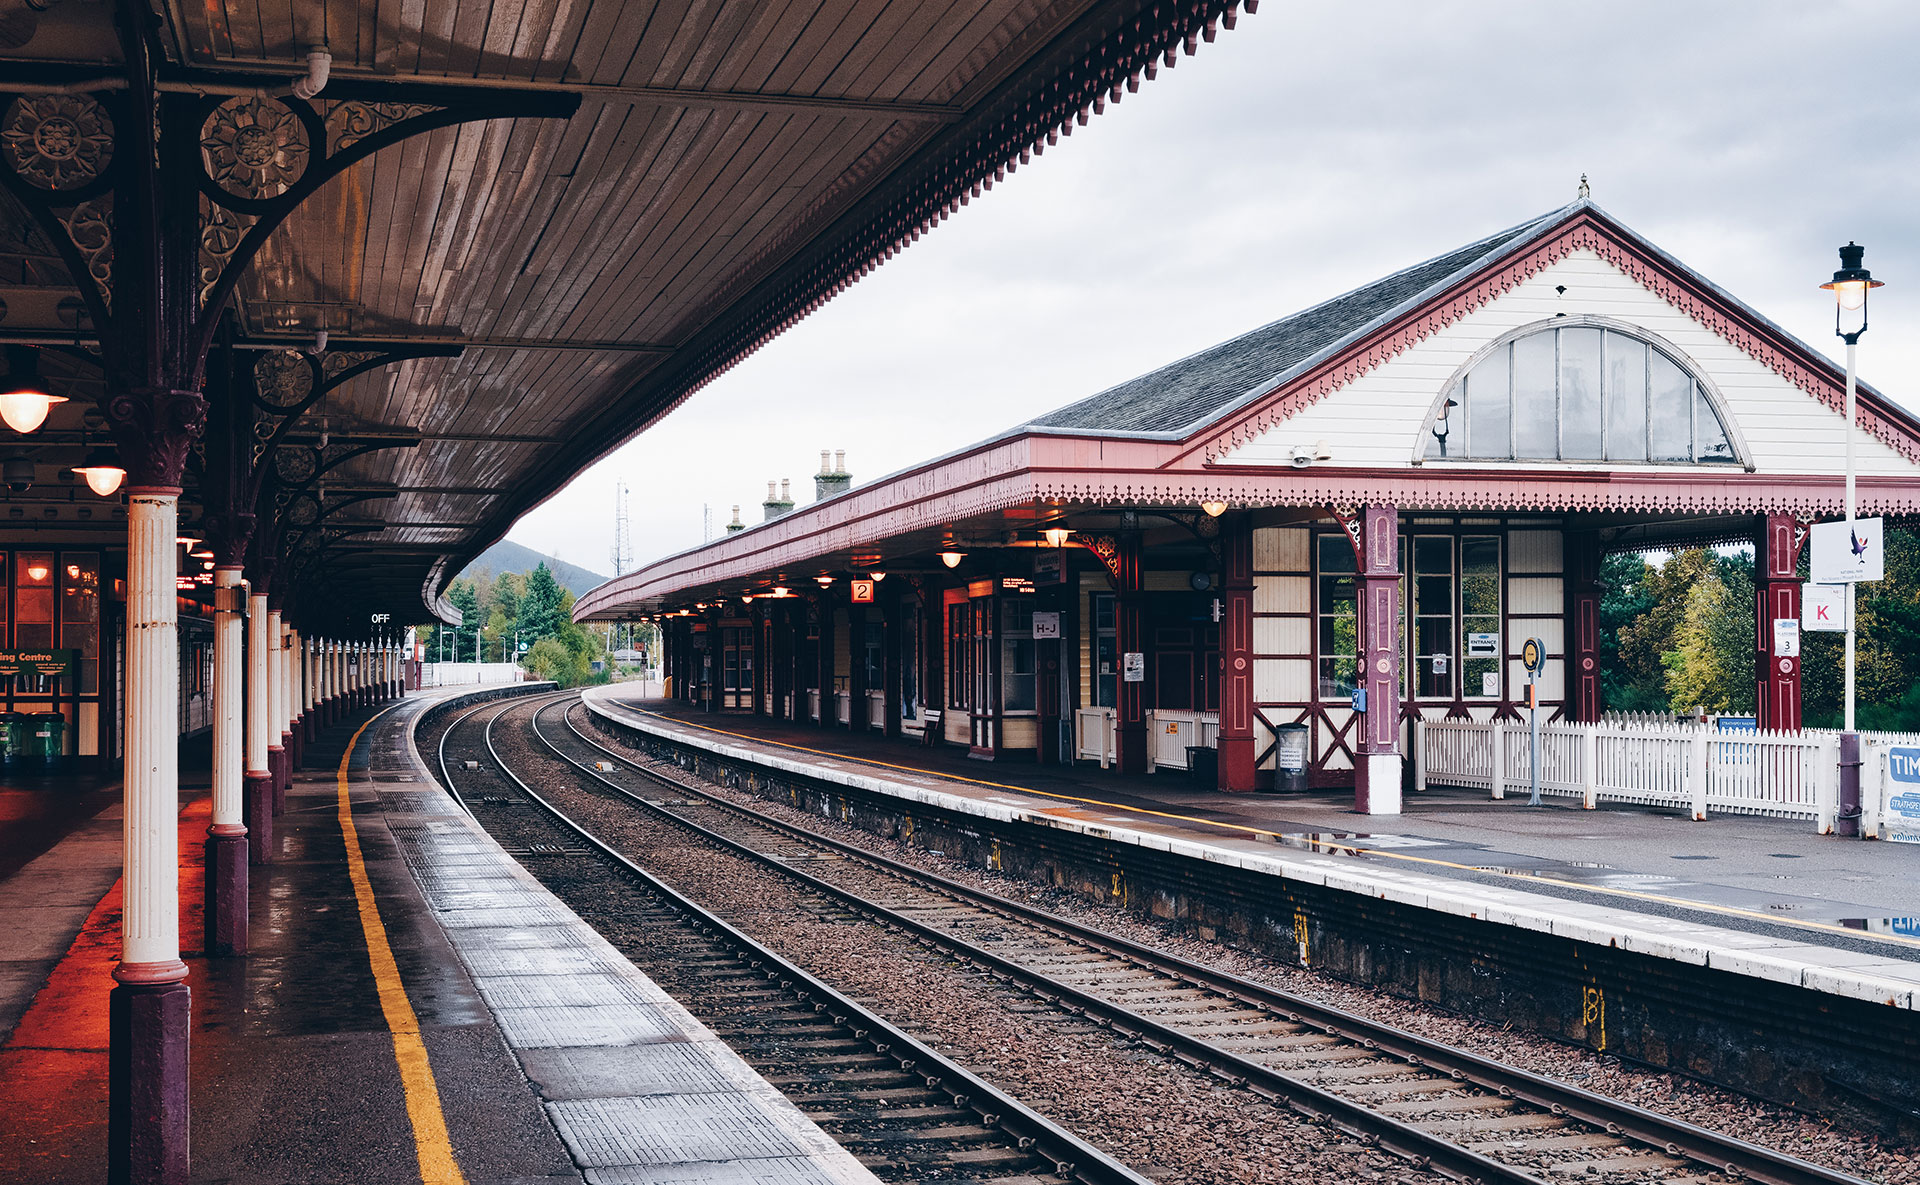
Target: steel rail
(1072, 1156)
(1712, 1150)
(440, 754)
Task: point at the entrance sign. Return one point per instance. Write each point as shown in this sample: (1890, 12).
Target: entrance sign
(1046, 623)
(1133, 667)
(1786, 637)
(35, 662)
(1848, 557)
(1823, 608)
(1483, 645)
(1902, 815)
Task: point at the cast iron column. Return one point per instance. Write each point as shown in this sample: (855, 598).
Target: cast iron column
(277, 708)
(1129, 638)
(1237, 771)
(1777, 585)
(890, 660)
(856, 668)
(1377, 773)
(259, 776)
(1583, 625)
(226, 876)
(824, 660)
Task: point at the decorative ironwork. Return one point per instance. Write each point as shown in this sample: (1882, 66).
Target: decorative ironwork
(283, 379)
(90, 226)
(353, 121)
(1349, 519)
(221, 232)
(57, 142)
(296, 464)
(254, 148)
(1107, 548)
(337, 362)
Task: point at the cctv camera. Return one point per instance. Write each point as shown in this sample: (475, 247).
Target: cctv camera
(18, 472)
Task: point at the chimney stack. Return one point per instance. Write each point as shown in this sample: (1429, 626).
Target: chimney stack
(776, 504)
(736, 524)
(833, 477)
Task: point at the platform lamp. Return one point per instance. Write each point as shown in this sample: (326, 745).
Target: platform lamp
(102, 471)
(1850, 286)
(24, 397)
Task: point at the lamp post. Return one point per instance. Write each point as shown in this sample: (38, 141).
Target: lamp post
(1850, 286)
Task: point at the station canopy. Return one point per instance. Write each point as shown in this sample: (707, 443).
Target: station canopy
(624, 199)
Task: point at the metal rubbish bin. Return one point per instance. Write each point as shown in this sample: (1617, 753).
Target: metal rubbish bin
(1290, 757)
(16, 734)
(47, 736)
(1203, 766)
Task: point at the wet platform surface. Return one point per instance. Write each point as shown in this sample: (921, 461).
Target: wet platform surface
(294, 1075)
(1762, 888)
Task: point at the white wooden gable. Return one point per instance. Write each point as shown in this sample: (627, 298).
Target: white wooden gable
(1380, 420)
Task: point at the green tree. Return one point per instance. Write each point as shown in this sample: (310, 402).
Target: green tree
(1711, 663)
(543, 610)
(1887, 650)
(1626, 596)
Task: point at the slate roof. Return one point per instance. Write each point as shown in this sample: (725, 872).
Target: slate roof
(1200, 388)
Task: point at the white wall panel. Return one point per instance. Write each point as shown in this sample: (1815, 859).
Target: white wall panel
(1535, 551)
(1282, 680)
(1552, 632)
(1280, 594)
(1282, 635)
(1281, 549)
(1536, 594)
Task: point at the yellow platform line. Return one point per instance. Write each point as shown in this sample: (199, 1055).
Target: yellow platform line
(430, 1140)
(1430, 861)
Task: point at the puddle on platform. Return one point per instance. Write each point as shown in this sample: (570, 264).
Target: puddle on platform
(1906, 927)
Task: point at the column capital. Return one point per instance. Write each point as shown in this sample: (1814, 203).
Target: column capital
(154, 428)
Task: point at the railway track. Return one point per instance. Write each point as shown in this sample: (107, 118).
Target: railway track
(1441, 1107)
(905, 1110)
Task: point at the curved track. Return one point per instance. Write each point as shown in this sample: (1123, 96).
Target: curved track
(908, 1112)
(1460, 1114)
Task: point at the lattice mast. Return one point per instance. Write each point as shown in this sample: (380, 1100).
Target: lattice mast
(622, 537)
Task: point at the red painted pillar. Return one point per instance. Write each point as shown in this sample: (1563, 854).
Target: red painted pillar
(824, 660)
(1584, 703)
(1777, 591)
(1130, 638)
(1237, 756)
(1377, 772)
(890, 636)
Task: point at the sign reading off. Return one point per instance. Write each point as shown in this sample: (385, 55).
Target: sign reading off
(1903, 797)
(35, 662)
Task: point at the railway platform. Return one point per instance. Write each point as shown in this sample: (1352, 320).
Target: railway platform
(413, 1005)
(1758, 897)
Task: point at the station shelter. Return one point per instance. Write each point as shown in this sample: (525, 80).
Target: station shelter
(1348, 519)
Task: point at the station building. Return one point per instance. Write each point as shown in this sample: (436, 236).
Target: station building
(1373, 503)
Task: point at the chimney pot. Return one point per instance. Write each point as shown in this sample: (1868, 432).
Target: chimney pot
(839, 460)
(824, 463)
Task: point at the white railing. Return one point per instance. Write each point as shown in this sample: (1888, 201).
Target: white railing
(1171, 732)
(813, 703)
(451, 674)
(1095, 736)
(1689, 767)
(876, 709)
(843, 707)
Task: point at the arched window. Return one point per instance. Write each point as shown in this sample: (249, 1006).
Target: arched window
(1579, 392)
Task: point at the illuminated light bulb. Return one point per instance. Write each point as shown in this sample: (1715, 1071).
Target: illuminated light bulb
(102, 471)
(1057, 536)
(877, 576)
(25, 407)
(1214, 509)
(37, 572)
(952, 558)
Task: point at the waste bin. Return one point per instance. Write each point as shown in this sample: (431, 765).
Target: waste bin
(1203, 766)
(1290, 757)
(46, 735)
(16, 733)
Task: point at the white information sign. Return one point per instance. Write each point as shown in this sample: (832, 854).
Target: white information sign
(1133, 667)
(1848, 557)
(1490, 683)
(1823, 608)
(1046, 623)
(1786, 638)
(1439, 664)
(1483, 645)
(1901, 817)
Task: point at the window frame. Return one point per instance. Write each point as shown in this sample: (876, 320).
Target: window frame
(1702, 387)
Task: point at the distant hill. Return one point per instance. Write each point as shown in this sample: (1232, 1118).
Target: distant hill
(508, 556)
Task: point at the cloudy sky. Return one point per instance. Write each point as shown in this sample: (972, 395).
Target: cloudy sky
(1314, 148)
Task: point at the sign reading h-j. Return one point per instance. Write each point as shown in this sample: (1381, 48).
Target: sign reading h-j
(1902, 820)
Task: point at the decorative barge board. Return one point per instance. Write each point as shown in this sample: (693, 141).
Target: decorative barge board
(1821, 1028)
(1329, 528)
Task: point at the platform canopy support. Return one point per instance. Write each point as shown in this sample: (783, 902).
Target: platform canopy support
(1378, 763)
(1777, 591)
(1238, 758)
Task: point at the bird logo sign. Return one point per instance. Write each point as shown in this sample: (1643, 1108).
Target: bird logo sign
(1844, 554)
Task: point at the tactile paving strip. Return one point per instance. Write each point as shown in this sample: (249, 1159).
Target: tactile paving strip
(669, 1129)
(604, 1024)
(554, 991)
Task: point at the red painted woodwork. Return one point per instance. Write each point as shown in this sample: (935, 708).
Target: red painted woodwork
(1129, 638)
(824, 658)
(1238, 761)
(1379, 611)
(1777, 593)
(1584, 701)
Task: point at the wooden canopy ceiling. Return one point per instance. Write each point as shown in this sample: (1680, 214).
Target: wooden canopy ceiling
(730, 166)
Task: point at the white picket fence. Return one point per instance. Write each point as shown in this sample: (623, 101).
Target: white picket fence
(1689, 767)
